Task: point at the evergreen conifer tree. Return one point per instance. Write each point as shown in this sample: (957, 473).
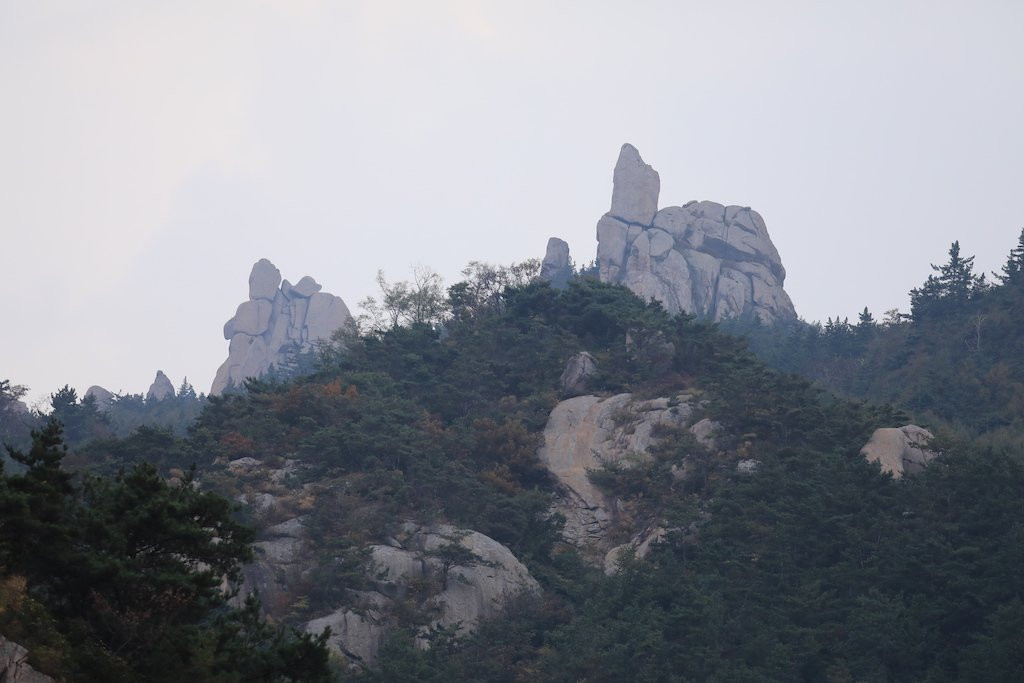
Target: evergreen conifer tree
(1013, 271)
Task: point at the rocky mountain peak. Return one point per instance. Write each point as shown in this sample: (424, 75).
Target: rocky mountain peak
(160, 389)
(705, 258)
(715, 261)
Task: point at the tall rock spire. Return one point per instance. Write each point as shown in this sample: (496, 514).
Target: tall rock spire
(635, 188)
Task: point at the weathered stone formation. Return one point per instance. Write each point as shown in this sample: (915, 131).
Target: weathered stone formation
(279, 320)
(101, 396)
(704, 258)
(161, 388)
(556, 267)
(900, 450)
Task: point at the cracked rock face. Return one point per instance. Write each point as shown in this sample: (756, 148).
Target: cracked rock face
(704, 258)
(586, 432)
(279, 320)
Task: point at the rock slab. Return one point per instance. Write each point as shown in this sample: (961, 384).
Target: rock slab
(278, 321)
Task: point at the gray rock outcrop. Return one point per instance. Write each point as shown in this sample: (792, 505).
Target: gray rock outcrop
(101, 396)
(900, 450)
(704, 431)
(586, 432)
(161, 388)
(470, 588)
(16, 406)
(357, 632)
(640, 546)
(279, 320)
(715, 261)
(556, 268)
(279, 560)
(577, 373)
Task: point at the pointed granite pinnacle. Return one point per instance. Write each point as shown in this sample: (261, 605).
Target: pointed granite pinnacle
(635, 188)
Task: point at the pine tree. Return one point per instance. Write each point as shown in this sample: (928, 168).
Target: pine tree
(135, 574)
(946, 293)
(186, 390)
(956, 277)
(865, 319)
(1013, 271)
(34, 523)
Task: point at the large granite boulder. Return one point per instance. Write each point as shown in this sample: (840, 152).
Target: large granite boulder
(263, 280)
(473, 587)
(900, 450)
(100, 396)
(715, 261)
(161, 388)
(357, 631)
(278, 321)
(587, 432)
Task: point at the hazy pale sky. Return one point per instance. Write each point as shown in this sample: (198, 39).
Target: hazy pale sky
(150, 152)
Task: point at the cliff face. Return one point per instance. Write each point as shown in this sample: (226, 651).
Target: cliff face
(278, 320)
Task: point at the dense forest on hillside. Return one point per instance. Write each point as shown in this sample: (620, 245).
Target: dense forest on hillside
(954, 361)
(84, 419)
(811, 565)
